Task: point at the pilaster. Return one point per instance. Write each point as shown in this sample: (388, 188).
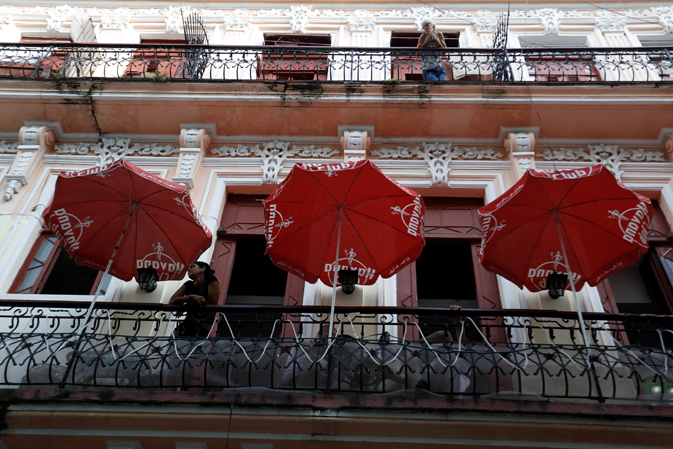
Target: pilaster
(193, 143)
(31, 140)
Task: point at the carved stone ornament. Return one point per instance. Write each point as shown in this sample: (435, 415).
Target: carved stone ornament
(37, 135)
(174, 18)
(610, 156)
(361, 21)
(58, 16)
(665, 15)
(355, 145)
(609, 21)
(8, 147)
(519, 142)
(195, 138)
(438, 157)
(118, 19)
(113, 149)
(299, 16)
(238, 20)
(550, 20)
(18, 176)
(669, 144)
(186, 165)
(485, 21)
(273, 155)
(525, 164)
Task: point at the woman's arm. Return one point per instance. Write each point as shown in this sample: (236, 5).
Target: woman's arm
(213, 292)
(180, 298)
(440, 42)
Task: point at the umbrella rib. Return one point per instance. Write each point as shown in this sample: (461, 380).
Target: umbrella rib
(580, 219)
(163, 232)
(543, 212)
(94, 234)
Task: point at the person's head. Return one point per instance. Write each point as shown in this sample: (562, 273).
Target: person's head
(198, 269)
(427, 23)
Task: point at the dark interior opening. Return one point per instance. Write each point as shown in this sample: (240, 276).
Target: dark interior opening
(68, 278)
(255, 280)
(445, 277)
(410, 38)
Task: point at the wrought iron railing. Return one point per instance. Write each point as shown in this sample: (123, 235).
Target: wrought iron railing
(374, 350)
(246, 63)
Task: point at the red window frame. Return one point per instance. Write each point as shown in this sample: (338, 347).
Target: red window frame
(569, 69)
(294, 66)
(45, 263)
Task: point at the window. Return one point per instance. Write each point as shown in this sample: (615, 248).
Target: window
(49, 270)
(163, 60)
(448, 270)
(294, 64)
(247, 277)
(43, 62)
(410, 68)
(661, 61)
(559, 66)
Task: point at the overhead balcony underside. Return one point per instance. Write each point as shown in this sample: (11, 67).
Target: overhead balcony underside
(583, 94)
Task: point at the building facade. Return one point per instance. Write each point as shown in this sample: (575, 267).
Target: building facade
(226, 98)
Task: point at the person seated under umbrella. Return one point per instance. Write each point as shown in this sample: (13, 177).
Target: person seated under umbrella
(201, 290)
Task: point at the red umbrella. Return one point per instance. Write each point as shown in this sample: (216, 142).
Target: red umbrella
(119, 218)
(327, 217)
(378, 221)
(578, 222)
(601, 223)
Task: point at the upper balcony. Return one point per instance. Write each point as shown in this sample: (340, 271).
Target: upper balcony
(390, 66)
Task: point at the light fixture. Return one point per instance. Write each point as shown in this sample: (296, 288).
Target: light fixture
(556, 284)
(147, 279)
(348, 279)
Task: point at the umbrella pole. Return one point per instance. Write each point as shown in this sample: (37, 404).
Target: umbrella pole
(334, 280)
(107, 269)
(572, 286)
(81, 331)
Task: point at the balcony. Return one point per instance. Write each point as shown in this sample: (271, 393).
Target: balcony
(180, 63)
(473, 353)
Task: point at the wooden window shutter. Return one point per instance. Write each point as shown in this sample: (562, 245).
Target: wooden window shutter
(223, 263)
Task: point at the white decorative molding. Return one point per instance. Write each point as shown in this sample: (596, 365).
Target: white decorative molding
(42, 136)
(273, 155)
(174, 18)
(438, 156)
(117, 19)
(485, 21)
(609, 21)
(355, 144)
(28, 135)
(186, 165)
(550, 20)
(519, 142)
(361, 20)
(113, 149)
(525, 164)
(665, 16)
(668, 146)
(8, 147)
(17, 178)
(299, 16)
(610, 156)
(238, 20)
(58, 16)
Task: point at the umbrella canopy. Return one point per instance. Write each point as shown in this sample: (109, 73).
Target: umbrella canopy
(601, 223)
(151, 221)
(350, 212)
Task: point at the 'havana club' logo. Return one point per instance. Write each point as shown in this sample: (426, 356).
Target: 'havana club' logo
(349, 262)
(68, 228)
(412, 216)
(164, 264)
(538, 276)
(634, 224)
(274, 224)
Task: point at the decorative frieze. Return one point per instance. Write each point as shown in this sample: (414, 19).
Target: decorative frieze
(8, 147)
(238, 20)
(361, 21)
(485, 21)
(438, 156)
(118, 19)
(610, 156)
(113, 149)
(273, 154)
(609, 21)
